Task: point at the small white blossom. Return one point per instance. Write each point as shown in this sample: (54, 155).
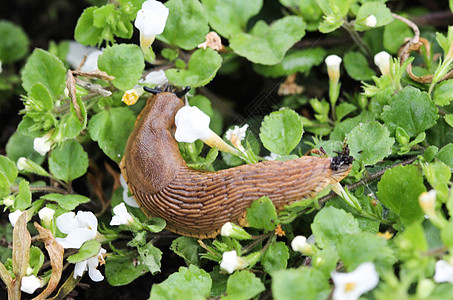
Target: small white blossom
(91, 265)
(77, 53)
(91, 63)
(151, 21)
(79, 228)
(272, 156)
(30, 284)
(22, 163)
(349, 286)
(121, 216)
(42, 144)
(237, 131)
(232, 262)
(371, 21)
(192, 124)
(444, 272)
(333, 67)
(8, 201)
(14, 216)
(126, 198)
(235, 231)
(227, 229)
(46, 215)
(427, 201)
(155, 78)
(382, 60)
(300, 244)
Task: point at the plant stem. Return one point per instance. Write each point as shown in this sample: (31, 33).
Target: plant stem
(45, 189)
(358, 40)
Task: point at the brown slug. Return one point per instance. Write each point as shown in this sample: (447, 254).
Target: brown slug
(197, 203)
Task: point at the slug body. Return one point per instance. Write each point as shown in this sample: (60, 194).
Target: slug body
(197, 203)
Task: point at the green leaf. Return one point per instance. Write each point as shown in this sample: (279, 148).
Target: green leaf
(449, 119)
(202, 67)
(445, 233)
(411, 110)
(187, 248)
(68, 202)
(8, 169)
(123, 269)
(399, 189)
(442, 93)
(446, 155)
(275, 258)
(88, 250)
(370, 142)
(36, 259)
(344, 109)
(438, 175)
(186, 282)
(14, 45)
(303, 283)
(45, 68)
(187, 24)
(155, 225)
(266, 44)
(376, 8)
(23, 199)
(70, 126)
(40, 97)
(363, 247)
(111, 129)
(243, 285)
(85, 32)
(281, 131)
(331, 224)
(394, 35)
(125, 62)
(151, 257)
(299, 61)
(357, 67)
(20, 145)
(411, 242)
(262, 215)
(325, 260)
(344, 127)
(69, 161)
(230, 17)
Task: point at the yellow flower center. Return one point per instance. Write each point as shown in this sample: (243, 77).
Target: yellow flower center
(349, 286)
(130, 97)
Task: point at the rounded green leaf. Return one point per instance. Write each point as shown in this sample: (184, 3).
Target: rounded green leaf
(68, 202)
(20, 145)
(370, 142)
(262, 215)
(399, 189)
(411, 110)
(446, 155)
(123, 269)
(281, 131)
(442, 93)
(244, 285)
(89, 249)
(302, 283)
(8, 169)
(69, 161)
(85, 32)
(275, 258)
(296, 61)
(151, 257)
(266, 44)
(14, 43)
(376, 8)
(45, 68)
(111, 129)
(394, 35)
(228, 17)
(202, 67)
(331, 224)
(23, 198)
(125, 62)
(187, 24)
(187, 248)
(357, 67)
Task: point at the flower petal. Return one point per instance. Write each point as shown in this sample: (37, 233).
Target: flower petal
(67, 222)
(30, 284)
(79, 268)
(76, 238)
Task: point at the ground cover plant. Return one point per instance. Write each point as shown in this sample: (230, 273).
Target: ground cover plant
(270, 81)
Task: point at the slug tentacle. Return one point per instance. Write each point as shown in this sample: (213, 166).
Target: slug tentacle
(197, 203)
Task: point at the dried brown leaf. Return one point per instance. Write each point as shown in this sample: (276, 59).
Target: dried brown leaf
(21, 253)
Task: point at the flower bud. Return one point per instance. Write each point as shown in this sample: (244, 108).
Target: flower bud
(232, 262)
(43, 144)
(371, 21)
(130, 97)
(300, 244)
(382, 60)
(232, 230)
(333, 67)
(30, 284)
(46, 216)
(427, 201)
(8, 201)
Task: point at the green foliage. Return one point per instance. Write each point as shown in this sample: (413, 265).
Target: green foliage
(68, 202)
(69, 161)
(243, 285)
(298, 283)
(262, 214)
(357, 66)
(14, 45)
(89, 249)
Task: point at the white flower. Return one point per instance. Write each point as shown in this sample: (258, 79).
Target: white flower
(272, 156)
(300, 244)
(126, 198)
(46, 215)
(8, 201)
(130, 97)
(30, 284)
(382, 60)
(427, 201)
(235, 231)
(238, 132)
(333, 67)
(444, 272)
(232, 262)
(227, 229)
(91, 63)
(349, 286)
(91, 265)
(79, 228)
(42, 144)
(371, 21)
(77, 53)
(192, 124)
(14, 216)
(22, 163)
(121, 216)
(155, 78)
(151, 21)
